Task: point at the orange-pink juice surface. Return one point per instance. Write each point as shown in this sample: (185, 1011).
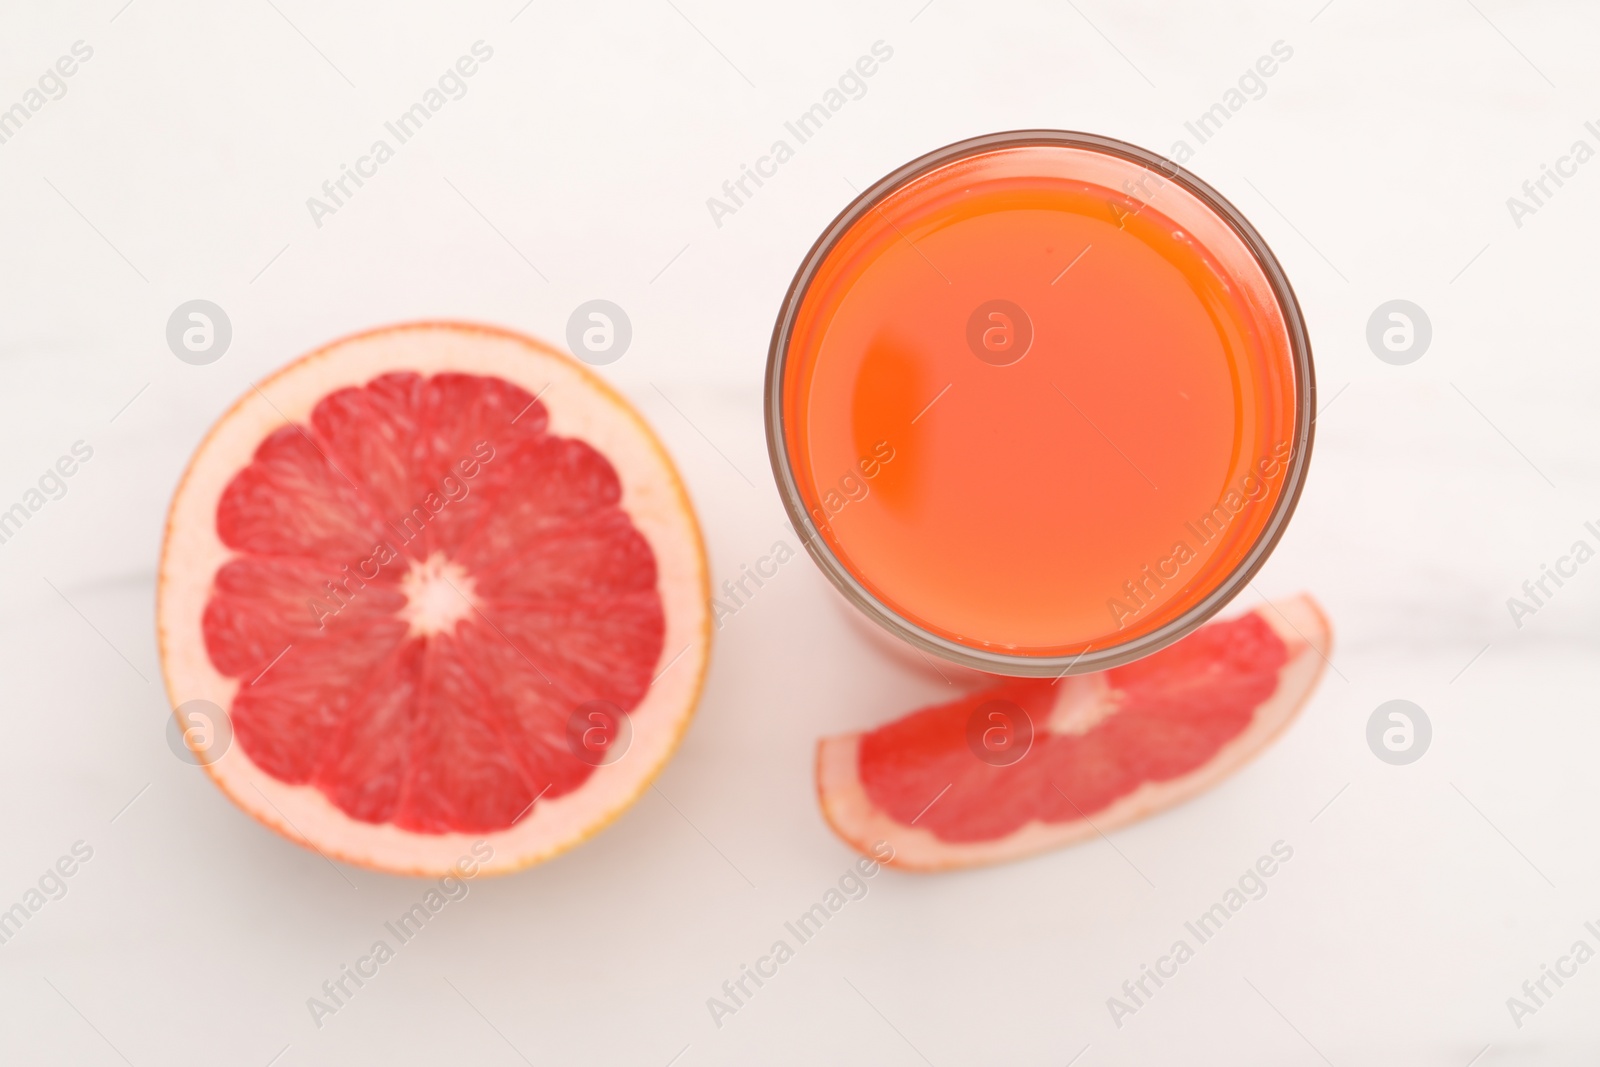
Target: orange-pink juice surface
(1086, 491)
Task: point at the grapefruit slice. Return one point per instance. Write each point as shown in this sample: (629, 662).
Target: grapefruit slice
(447, 591)
(1028, 764)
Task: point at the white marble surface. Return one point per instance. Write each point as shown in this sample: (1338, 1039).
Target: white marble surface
(1378, 163)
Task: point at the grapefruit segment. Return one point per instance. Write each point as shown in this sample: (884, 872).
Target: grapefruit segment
(954, 786)
(401, 566)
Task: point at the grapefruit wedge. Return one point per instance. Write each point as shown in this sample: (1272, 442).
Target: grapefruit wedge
(1028, 764)
(447, 593)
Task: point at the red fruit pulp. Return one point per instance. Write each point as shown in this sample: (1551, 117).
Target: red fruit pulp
(427, 583)
(1167, 715)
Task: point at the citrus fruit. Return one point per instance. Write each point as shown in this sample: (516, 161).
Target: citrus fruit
(1030, 764)
(447, 591)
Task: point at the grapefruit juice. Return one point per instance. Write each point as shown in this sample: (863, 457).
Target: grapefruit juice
(1040, 402)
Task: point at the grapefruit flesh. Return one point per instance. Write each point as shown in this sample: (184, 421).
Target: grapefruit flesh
(430, 573)
(1086, 753)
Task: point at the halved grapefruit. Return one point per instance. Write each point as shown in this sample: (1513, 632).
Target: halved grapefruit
(1029, 764)
(448, 591)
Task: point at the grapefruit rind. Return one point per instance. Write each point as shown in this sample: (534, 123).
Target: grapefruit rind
(579, 404)
(1298, 622)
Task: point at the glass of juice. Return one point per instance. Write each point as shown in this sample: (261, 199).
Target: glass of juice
(1040, 402)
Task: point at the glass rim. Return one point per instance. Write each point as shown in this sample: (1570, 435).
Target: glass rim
(1090, 659)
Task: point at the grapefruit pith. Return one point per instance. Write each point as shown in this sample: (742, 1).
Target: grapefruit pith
(1028, 764)
(447, 588)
